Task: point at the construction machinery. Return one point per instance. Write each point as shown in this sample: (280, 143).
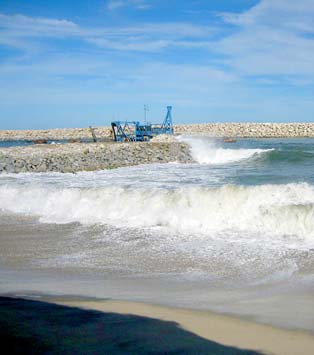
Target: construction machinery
(124, 131)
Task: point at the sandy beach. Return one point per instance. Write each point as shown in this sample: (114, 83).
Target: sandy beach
(229, 331)
(129, 327)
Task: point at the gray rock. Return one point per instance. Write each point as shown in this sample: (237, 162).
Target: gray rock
(77, 156)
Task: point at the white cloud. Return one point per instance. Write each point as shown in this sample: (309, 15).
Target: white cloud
(272, 38)
(23, 26)
(198, 93)
(113, 5)
(22, 31)
(270, 43)
(111, 82)
(140, 4)
(288, 14)
(132, 45)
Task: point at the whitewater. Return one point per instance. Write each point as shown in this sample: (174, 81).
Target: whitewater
(234, 231)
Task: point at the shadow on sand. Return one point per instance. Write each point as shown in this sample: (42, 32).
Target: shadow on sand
(33, 327)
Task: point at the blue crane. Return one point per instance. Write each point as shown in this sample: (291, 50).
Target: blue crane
(124, 131)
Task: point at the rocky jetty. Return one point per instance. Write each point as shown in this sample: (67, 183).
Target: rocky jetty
(96, 156)
(71, 134)
(70, 158)
(244, 130)
(249, 130)
(165, 138)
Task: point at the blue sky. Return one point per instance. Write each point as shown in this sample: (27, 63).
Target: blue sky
(79, 63)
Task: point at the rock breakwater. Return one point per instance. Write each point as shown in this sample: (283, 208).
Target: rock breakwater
(54, 134)
(249, 130)
(244, 130)
(70, 158)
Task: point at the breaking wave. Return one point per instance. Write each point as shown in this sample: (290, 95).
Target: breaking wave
(289, 156)
(206, 151)
(266, 209)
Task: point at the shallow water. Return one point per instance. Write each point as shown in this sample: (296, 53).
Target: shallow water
(14, 143)
(22, 143)
(232, 233)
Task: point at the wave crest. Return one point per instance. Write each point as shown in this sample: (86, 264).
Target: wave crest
(267, 209)
(206, 151)
(288, 156)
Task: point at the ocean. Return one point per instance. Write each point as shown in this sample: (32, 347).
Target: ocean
(232, 233)
(23, 143)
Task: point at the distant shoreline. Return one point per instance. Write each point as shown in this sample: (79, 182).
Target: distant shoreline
(79, 155)
(239, 130)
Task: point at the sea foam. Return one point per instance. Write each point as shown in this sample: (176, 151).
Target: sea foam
(205, 150)
(266, 209)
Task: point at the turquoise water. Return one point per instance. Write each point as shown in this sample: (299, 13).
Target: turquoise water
(14, 143)
(22, 143)
(289, 161)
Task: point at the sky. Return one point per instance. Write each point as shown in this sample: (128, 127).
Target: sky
(75, 63)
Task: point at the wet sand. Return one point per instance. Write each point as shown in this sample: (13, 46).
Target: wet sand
(225, 330)
(38, 327)
(143, 328)
(45, 259)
